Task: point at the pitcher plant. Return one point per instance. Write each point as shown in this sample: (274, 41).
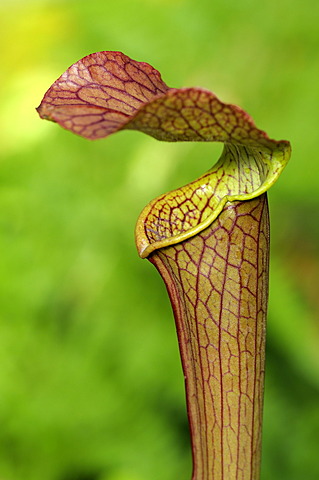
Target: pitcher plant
(209, 240)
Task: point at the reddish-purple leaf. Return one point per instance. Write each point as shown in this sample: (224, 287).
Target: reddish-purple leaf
(99, 94)
(107, 91)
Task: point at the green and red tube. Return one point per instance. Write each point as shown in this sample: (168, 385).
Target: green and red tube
(209, 240)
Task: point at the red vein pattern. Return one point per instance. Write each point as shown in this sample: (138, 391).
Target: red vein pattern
(218, 285)
(97, 95)
(184, 212)
(196, 114)
(107, 91)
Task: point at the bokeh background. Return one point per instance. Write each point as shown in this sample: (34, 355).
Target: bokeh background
(90, 380)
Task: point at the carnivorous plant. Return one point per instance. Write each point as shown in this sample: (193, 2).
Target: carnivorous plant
(209, 240)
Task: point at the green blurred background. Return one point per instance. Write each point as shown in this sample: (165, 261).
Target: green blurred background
(90, 380)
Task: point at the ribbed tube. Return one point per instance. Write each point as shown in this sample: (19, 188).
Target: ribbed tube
(218, 286)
